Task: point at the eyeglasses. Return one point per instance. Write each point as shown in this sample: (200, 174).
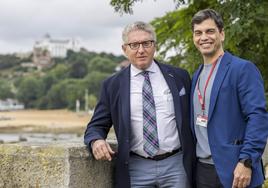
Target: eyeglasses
(145, 44)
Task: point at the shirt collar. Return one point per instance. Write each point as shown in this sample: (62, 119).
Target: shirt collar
(135, 71)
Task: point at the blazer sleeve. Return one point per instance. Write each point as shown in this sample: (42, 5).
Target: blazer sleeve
(253, 105)
(101, 121)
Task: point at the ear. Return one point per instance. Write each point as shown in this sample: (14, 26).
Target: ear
(222, 35)
(124, 48)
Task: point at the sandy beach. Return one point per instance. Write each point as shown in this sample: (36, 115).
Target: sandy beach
(55, 121)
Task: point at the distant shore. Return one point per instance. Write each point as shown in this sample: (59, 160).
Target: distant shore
(43, 121)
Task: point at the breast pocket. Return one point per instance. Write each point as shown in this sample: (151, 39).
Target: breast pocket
(168, 100)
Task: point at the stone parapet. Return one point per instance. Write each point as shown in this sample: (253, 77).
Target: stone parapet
(56, 165)
(52, 165)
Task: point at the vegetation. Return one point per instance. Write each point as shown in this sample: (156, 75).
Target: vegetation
(70, 79)
(7, 61)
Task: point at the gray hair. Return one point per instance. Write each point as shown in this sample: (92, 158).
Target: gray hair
(205, 14)
(138, 26)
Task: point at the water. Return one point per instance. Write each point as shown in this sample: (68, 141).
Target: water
(38, 137)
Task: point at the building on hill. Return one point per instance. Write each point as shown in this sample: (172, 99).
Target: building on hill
(47, 48)
(42, 58)
(57, 47)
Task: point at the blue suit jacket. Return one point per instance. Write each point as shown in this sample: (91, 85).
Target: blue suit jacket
(113, 108)
(237, 121)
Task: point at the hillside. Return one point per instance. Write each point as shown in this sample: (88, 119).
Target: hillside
(60, 85)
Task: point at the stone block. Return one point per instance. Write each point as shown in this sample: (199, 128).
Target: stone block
(53, 164)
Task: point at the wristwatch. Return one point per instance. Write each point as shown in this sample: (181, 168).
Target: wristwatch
(247, 162)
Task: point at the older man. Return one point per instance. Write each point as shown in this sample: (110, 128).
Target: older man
(148, 105)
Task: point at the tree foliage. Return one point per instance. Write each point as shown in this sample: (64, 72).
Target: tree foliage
(101, 64)
(29, 91)
(246, 31)
(78, 69)
(125, 6)
(94, 80)
(65, 93)
(5, 90)
(7, 61)
(79, 74)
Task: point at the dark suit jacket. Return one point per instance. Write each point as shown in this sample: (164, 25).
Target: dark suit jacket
(113, 108)
(237, 121)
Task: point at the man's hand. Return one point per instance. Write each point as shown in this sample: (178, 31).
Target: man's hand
(242, 176)
(102, 150)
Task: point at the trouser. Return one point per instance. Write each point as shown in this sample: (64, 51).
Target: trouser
(166, 173)
(206, 176)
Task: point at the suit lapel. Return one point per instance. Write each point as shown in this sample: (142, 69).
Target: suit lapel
(125, 96)
(169, 77)
(222, 70)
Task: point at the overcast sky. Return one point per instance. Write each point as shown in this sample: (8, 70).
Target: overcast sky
(94, 22)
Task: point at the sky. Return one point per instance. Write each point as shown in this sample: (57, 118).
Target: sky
(93, 22)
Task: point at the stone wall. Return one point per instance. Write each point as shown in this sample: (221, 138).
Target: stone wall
(265, 156)
(55, 165)
(51, 165)
(265, 161)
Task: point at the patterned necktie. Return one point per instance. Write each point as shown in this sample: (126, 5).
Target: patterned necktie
(151, 144)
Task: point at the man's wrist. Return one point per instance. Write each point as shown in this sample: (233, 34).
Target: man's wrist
(91, 143)
(247, 162)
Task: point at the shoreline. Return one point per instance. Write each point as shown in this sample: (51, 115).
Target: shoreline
(43, 121)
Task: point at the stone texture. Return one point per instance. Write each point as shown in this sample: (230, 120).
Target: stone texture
(54, 164)
(57, 165)
(265, 161)
(265, 155)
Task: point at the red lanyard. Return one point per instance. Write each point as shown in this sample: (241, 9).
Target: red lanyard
(200, 98)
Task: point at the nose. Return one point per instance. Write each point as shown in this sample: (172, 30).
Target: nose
(141, 49)
(203, 36)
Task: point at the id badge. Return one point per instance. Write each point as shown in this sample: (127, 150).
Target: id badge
(202, 120)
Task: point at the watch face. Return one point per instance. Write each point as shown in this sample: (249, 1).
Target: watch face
(247, 162)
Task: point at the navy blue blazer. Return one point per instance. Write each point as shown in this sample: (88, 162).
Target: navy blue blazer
(113, 108)
(237, 121)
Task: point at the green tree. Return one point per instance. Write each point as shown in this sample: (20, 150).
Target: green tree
(56, 96)
(29, 91)
(75, 91)
(48, 81)
(8, 61)
(102, 65)
(78, 69)
(92, 101)
(61, 71)
(5, 90)
(93, 82)
(246, 31)
(65, 93)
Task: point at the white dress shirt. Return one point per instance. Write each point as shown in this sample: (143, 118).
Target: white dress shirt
(165, 115)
